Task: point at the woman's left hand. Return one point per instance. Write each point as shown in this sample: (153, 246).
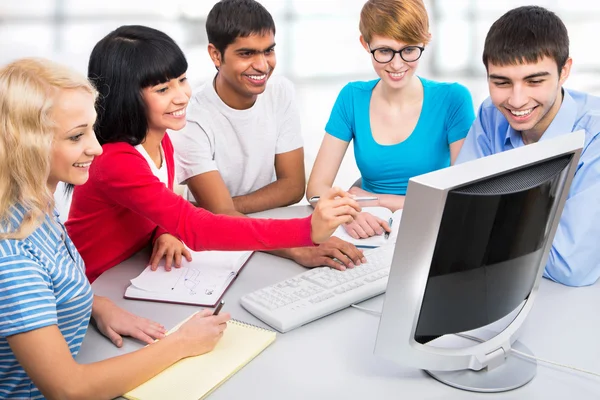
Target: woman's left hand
(113, 321)
(171, 248)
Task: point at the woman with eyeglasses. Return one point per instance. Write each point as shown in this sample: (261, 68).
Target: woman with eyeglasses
(402, 125)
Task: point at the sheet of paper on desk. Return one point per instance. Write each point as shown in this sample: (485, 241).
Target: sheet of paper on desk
(378, 240)
(201, 281)
(180, 280)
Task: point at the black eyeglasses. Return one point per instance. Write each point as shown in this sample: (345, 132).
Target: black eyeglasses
(384, 55)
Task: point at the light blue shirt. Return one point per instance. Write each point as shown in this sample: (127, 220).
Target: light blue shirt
(42, 283)
(574, 259)
(446, 116)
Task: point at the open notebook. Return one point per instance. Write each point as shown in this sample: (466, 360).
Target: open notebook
(201, 281)
(378, 240)
(195, 378)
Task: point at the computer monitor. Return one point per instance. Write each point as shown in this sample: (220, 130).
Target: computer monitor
(471, 250)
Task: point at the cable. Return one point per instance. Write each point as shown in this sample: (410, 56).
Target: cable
(476, 339)
(520, 353)
(374, 312)
(555, 363)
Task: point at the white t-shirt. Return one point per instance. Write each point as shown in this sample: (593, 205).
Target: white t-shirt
(161, 173)
(240, 144)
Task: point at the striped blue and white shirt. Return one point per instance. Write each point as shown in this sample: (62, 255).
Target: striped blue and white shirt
(42, 283)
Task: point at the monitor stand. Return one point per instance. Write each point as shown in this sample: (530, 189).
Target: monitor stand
(513, 373)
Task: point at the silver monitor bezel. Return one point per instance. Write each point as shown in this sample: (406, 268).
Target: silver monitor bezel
(415, 245)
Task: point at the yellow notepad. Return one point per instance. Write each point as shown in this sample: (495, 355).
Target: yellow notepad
(195, 378)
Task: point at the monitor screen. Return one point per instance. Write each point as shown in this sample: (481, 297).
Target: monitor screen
(489, 246)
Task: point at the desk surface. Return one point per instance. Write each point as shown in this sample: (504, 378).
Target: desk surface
(332, 358)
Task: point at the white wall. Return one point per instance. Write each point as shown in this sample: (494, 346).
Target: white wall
(318, 48)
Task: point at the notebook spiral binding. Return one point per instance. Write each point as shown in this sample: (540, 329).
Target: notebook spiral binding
(238, 322)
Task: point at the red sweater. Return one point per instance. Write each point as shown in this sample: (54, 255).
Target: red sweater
(123, 206)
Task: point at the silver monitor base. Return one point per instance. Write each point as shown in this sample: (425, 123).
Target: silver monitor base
(513, 373)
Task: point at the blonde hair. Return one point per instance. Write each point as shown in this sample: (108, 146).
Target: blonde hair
(28, 88)
(401, 20)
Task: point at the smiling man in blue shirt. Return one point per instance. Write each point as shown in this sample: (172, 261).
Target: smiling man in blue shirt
(526, 55)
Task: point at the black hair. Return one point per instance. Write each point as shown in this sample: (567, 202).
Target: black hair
(526, 35)
(124, 62)
(230, 19)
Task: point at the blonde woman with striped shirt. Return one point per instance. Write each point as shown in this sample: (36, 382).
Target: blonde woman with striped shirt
(46, 136)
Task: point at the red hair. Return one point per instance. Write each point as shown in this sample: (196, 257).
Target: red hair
(402, 20)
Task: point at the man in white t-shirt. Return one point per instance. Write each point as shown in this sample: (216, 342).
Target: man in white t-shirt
(241, 151)
(257, 152)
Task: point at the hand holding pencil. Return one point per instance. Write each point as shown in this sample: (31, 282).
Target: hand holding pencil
(200, 333)
(336, 207)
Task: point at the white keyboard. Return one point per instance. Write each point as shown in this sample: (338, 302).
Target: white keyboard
(320, 291)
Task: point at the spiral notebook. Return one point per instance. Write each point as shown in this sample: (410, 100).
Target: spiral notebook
(195, 378)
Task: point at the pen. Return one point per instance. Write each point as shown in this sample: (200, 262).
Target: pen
(387, 234)
(219, 306)
(314, 199)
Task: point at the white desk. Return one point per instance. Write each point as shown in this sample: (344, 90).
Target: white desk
(332, 358)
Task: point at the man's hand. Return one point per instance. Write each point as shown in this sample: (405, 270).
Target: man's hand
(334, 253)
(171, 248)
(366, 225)
(113, 321)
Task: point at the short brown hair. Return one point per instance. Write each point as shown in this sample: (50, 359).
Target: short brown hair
(526, 35)
(402, 20)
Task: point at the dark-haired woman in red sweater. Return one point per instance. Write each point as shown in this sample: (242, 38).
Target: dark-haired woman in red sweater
(128, 201)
